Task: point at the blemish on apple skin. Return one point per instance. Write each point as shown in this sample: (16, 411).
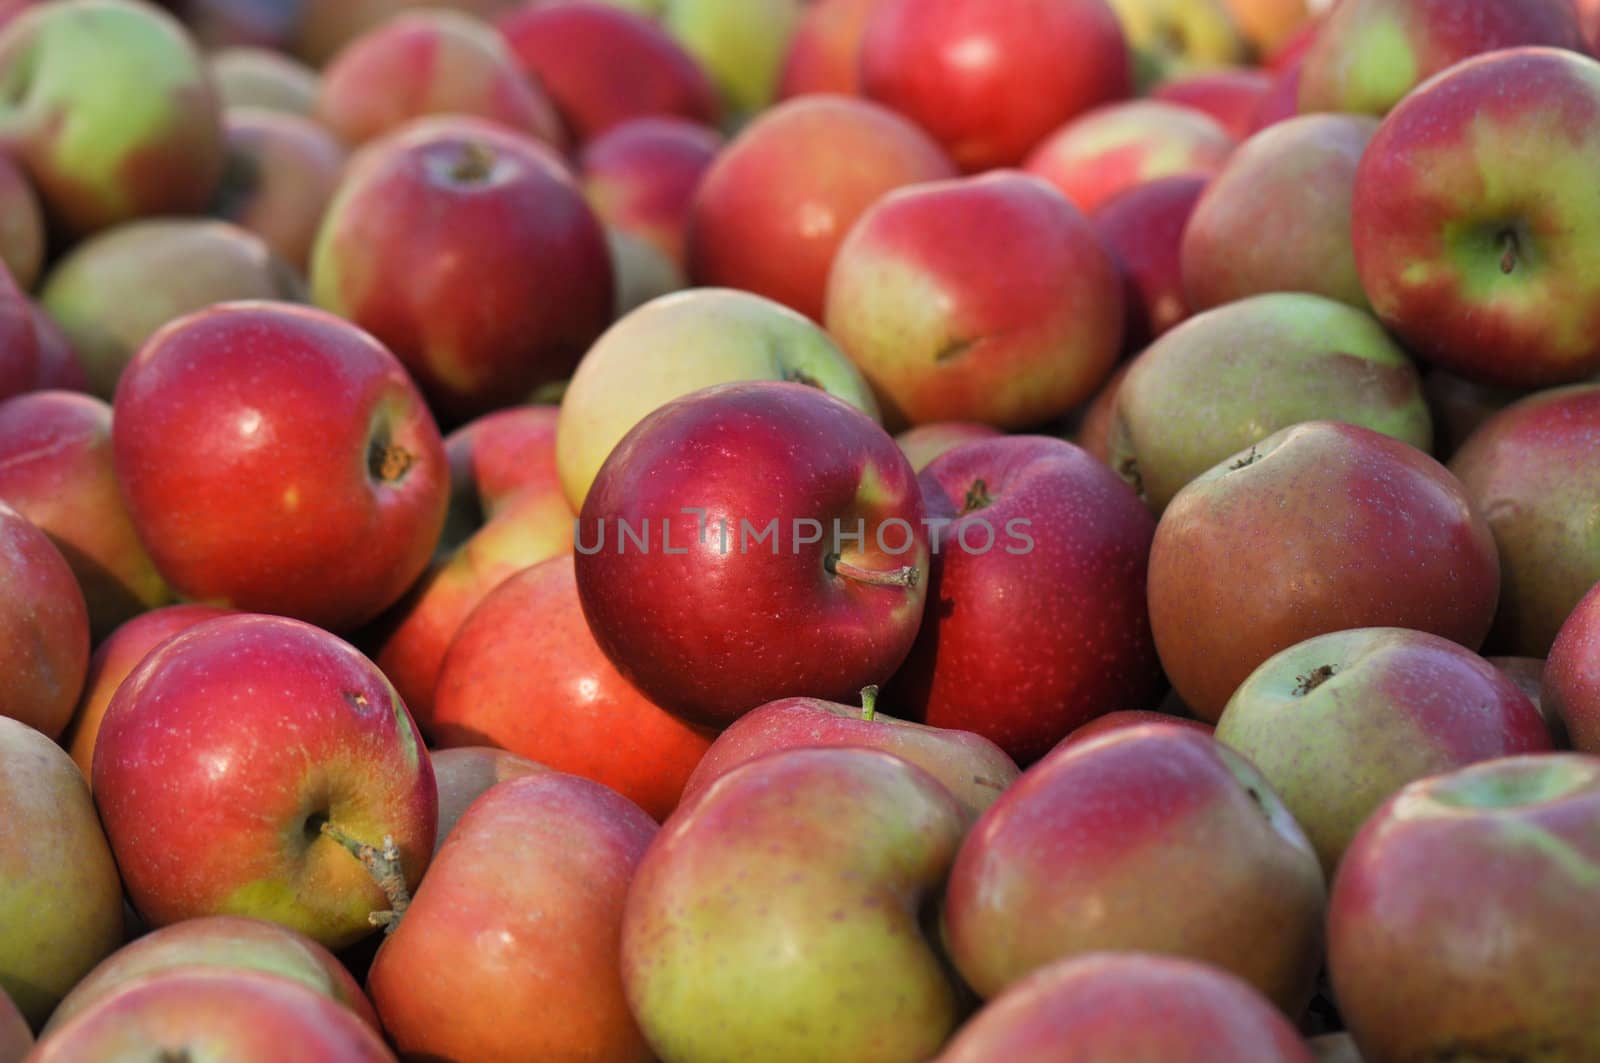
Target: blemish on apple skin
(357, 700)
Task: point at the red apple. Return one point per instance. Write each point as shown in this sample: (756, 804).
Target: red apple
(44, 628)
(19, 341)
(825, 49)
(927, 441)
(465, 774)
(282, 171)
(1232, 97)
(278, 459)
(642, 176)
(1113, 721)
(58, 366)
(1570, 684)
(1143, 229)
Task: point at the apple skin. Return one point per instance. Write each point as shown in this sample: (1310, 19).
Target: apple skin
(334, 520)
(282, 171)
(16, 1038)
(990, 81)
(772, 209)
(825, 52)
(985, 298)
(431, 62)
(322, 28)
(1093, 431)
(508, 951)
(928, 441)
(20, 366)
(1180, 848)
(223, 943)
(1143, 229)
(1230, 377)
(1493, 279)
(1113, 721)
(1531, 470)
(1233, 97)
(972, 768)
(111, 111)
(58, 883)
(1570, 683)
(58, 366)
(22, 225)
(465, 774)
(1369, 54)
(724, 626)
(270, 727)
(681, 343)
(1320, 527)
(1023, 641)
(529, 282)
(44, 628)
(256, 77)
(242, 1016)
(1128, 1006)
(1527, 674)
(525, 674)
(575, 49)
(641, 177)
(838, 848)
(1509, 844)
(1176, 36)
(1115, 147)
(112, 292)
(1295, 181)
(1340, 722)
(740, 44)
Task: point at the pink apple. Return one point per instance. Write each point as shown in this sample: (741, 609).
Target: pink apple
(1113, 721)
(44, 628)
(1143, 229)
(642, 175)
(16, 1038)
(1232, 97)
(825, 49)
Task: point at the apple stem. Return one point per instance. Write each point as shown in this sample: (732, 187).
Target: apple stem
(904, 576)
(869, 702)
(384, 867)
(389, 461)
(475, 163)
(1508, 259)
(977, 497)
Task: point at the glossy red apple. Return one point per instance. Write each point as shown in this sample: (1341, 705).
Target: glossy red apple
(1113, 721)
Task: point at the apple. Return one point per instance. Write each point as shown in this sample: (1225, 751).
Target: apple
(323, 27)
(111, 292)
(799, 570)
(1115, 147)
(739, 43)
(1270, 25)
(1570, 682)
(263, 78)
(1143, 229)
(1320, 527)
(927, 441)
(802, 872)
(528, 285)
(1334, 1048)
(825, 51)
(1180, 847)
(1489, 276)
(640, 272)
(222, 24)
(1228, 378)
(334, 519)
(282, 171)
(1527, 674)
(575, 49)
(1127, 1006)
(110, 109)
(1369, 54)
(1508, 844)
(1277, 216)
(1232, 96)
(1093, 429)
(22, 225)
(676, 345)
(57, 365)
(1169, 36)
(772, 209)
(44, 628)
(465, 774)
(1340, 722)
(524, 673)
(16, 1038)
(289, 747)
(984, 298)
(1113, 721)
(991, 80)
(1036, 618)
(509, 949)
(1460, 407)
(1282, 101)
(59, 892)
(641, 177)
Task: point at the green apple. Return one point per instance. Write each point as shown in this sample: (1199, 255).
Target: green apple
(741, 43)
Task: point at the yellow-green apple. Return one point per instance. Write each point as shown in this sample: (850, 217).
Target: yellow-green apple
(263, 78)
(1115, 147)
(972, 768)
(22, 225)
(642, 175)
(114, 658)
(205, 1014)
(1143, 228)
(1228, 378)
(575, 50)
(1231, 96)
(1320, 527)
(111, 292)
(772, 209)
(324, 27)
(58, 365)
(282, 171)
(927, 441)
(749, 542)
(465, 774)
(1294, 180)
(59, 891)
(1493, 279)
(1340, 722)
(1510, 845)
(278, 459)
(16, 1037)
(1037, 589)
(740, 44)
(509, 949)
(1113, 721)
(44, 628)
(110, 109)
(1369, 54)
(524, 673)
(470, 252)
(991, 80)
(779, 876)
(1128, 1006)
(678, 344)
(224, 943)
(431, 62)
(1180, 848)
(1177, 36)
(1569, 685)
(825, 52)
(55, 470)
(986, 298)
(281, 739)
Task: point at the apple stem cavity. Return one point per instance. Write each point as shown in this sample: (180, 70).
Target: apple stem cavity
(1305, 684)
(474, 164)
(387, 461)
(977, 498)
(904, 576)
(869, 702)
(384, 867)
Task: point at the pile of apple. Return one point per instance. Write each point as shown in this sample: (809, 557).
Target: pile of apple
(781, 530)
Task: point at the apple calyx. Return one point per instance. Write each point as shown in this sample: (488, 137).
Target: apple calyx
(384, 867)
(388, 461)
(869, 702)
(1305, 684)
(1250, 458)
(904, 576)
(1511, 251)
(978, 497)
(474, 164)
